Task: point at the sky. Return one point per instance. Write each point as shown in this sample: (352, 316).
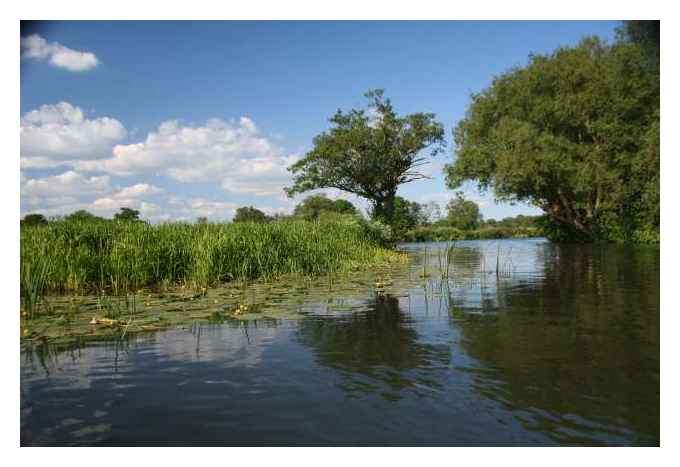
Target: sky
(187, 119)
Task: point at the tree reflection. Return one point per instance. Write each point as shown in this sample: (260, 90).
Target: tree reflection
(578, 348)
(374, 351)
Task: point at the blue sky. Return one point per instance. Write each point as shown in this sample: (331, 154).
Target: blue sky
(183, 119)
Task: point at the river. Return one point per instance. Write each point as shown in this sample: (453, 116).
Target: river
(510, 342)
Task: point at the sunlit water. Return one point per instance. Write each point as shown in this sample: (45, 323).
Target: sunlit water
(546, 345)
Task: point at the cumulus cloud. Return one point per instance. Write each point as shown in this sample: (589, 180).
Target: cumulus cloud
(233, 154)
(138, 190)
(62, 194)
(66, 184)
(37, 48)
(61, 134)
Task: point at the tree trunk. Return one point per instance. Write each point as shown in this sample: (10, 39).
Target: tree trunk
(384, 209)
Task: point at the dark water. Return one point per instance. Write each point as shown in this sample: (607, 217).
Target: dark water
(560, 347)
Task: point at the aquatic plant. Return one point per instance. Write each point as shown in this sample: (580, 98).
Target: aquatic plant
(32, 285)
(119, 257)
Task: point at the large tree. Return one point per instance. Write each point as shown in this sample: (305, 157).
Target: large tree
(569, 133)
(370, 152)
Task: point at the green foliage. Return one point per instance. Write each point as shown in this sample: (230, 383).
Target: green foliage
(34, 219)
(429, 233)
(518, 222)
(127, 215)
(463, 214)
(369, 153)
(646, 35)
(32, 283)
(407, 215)
(83, 216)
(311, 207)
(574, 133)
(69, 255)
(249, 214)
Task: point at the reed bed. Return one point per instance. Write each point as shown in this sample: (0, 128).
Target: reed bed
(116, 257)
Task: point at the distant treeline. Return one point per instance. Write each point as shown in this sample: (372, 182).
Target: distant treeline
(510, 227)
(412, 221)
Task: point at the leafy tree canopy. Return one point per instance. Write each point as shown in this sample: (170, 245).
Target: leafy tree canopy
(312, 206)
(647, 35)
(370, 153)
(249, 214)
(83, 216)
(574, 133)
(463, 214)
(407, 215)
(34, 219)
(127, 215)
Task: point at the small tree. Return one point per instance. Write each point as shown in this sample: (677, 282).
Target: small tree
(311, 207)
(463, 214)
(127, 215)
(370, 153)
(34, 219)
(249, 214)
(202, 220)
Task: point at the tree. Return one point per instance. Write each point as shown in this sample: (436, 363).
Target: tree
(312, 206)
(463, 214)
(567, 133)
(127, 215)
(83, 216)
(407, 215)
(647, 35)
(249, 214)
(432, 212)
(34, 219)
(201, 220)
(369, 153)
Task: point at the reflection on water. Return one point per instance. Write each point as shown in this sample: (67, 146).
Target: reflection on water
(375, 351)
(516, 342)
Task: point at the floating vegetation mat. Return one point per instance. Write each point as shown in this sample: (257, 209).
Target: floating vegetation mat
(79, 318)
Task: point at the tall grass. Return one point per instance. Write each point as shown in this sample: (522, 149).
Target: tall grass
(33, 277)
(119, 257)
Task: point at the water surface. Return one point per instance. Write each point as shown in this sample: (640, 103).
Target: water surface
(512, 342)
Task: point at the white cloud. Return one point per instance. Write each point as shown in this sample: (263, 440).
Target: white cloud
(233, 154)
(61, 134)
(67, 184)
(37, 48)
(70, 191)
(138, 190)
(63, 194)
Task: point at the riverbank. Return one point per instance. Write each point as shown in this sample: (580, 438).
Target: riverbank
(94, 279)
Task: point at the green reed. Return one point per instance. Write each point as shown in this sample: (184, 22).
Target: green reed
(33, 278)
(118, 258)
